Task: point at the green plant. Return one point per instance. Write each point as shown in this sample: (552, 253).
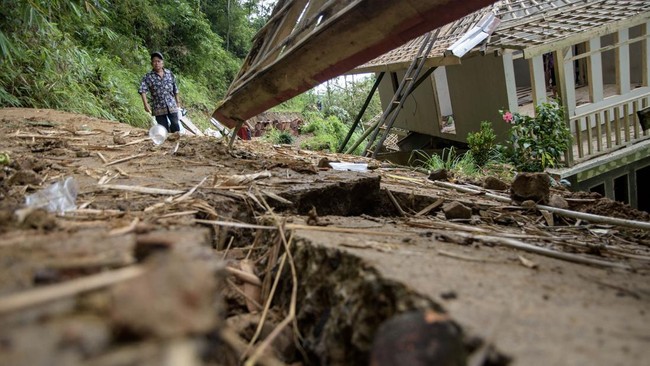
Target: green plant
(276, 136)
(482, 143)
(537, 143)
(463, 164)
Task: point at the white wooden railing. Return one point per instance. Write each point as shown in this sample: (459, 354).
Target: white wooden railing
(608, 128)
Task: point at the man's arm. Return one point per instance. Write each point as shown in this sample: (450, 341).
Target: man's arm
(145, 102)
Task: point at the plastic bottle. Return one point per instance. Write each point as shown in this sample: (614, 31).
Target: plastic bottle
(158, 134)
(58, 197)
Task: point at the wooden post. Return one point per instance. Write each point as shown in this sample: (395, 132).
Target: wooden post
(578, 135)
(623, 62)
(566, 80)
(511, 84)
(595, 70)
(538, 79)
(645, 55)
(617, 125)
(626, 121)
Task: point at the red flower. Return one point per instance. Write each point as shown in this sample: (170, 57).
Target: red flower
(508, 117)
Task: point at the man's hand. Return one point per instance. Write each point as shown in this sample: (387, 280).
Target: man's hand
(147, 107)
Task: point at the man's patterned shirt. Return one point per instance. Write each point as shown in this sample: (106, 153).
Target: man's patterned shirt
(162, 90)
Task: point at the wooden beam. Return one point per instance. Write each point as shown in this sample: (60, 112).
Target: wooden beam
(359, 32)
(587, 35)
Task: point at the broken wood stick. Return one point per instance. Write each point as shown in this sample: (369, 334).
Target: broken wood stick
(139, 189)
(125, 159)
(46, 294)
(331, 229)
(235, 224)
(431, 207)
(395, 203)
(244, 276)
(125, 230)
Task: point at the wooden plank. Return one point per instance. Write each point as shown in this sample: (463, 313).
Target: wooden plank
(645, 55)
(360, 32)
(190, 126)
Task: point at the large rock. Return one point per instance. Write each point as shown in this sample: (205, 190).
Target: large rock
(531, 186)
(456, 210)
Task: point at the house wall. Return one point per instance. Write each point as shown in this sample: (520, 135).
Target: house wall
(419, 112)
(478, 90)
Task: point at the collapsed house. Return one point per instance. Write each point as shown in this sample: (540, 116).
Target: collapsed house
(506, 57)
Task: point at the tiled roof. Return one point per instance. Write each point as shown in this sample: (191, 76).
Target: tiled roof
(524, 24)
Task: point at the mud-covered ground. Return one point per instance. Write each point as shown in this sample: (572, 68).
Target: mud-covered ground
(174, 254)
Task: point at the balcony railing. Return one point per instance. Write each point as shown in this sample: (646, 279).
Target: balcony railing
(607, 129)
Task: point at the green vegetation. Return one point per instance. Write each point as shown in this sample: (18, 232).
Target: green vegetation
(89, 56)
(482, 143)
(537, 143)
(461, 164)
(276, 136)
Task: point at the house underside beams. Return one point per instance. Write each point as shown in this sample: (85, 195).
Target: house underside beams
(301, 47)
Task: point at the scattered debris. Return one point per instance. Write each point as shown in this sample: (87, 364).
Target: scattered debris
(530, 186)
(456, 210)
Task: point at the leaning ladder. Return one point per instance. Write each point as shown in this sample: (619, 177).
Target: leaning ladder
(410, 81)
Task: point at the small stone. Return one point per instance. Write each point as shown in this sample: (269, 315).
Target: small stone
(418, 338)
(495, 184)
(456, 210)
(173, 136)
(440, 174)
(530, 186)
(324, 163)
(24, 177)
(82, 153)
(558, 201)
(119, 140)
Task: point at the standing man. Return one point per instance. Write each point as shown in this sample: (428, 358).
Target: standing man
(161, 84)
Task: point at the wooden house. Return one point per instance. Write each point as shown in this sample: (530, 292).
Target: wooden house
(508, 55)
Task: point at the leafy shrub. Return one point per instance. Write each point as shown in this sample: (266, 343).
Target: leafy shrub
(276, 136)
(482, 143)
(537, 143)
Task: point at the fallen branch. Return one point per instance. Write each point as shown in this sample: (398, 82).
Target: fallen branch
(244, 276)
(46, 294)
(126, 229)
(235, 224)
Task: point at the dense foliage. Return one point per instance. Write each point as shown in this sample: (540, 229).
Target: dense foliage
(482, 143)
(89, 56)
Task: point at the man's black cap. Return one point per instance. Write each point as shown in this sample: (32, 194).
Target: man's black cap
(157, 54)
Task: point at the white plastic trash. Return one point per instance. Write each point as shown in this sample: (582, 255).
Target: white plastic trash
(58, 197)
(158, 134)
